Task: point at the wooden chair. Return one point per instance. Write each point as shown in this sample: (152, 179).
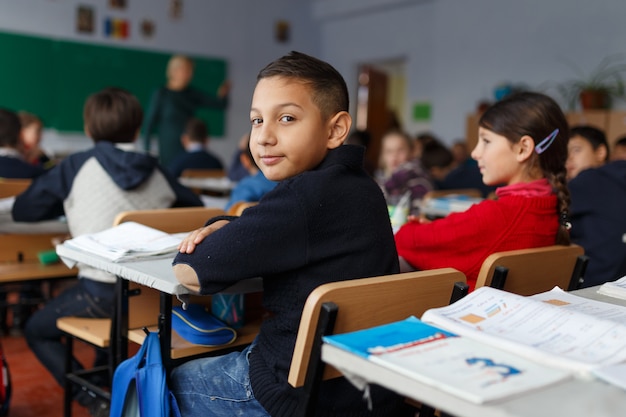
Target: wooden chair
(531, 271)
(203, 173)
(142, 307)
(238, 208)
(10, 187)
(347, 306)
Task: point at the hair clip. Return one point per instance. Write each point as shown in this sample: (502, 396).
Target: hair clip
(545, 144)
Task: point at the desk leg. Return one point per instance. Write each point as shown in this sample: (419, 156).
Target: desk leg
(119, 339)
(165, 330)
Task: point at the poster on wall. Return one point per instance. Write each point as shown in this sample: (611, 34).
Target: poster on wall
(84, 19)
(117, 4)
(176, 9)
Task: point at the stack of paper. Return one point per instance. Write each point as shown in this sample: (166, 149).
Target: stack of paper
(128, 240)
(615, 289)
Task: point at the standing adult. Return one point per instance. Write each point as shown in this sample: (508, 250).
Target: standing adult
(174, 104)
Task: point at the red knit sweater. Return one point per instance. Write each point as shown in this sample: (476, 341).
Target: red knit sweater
(464, 240)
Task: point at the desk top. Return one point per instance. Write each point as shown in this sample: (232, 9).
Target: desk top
(153, 272)
(220, 185)
(573, 397)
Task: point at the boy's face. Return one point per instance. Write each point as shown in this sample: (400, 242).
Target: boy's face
(288, 135)
(581, 156)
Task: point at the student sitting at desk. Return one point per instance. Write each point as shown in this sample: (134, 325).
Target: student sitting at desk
(598, 190)
(523, 144)
(91, 188)
(325, 221)
(195, 140)
(12, 164)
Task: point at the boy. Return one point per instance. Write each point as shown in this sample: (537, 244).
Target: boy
(252, 187)
(194, 139)
(325, 221)
(587, 148)
(12, 164)
(91, 188)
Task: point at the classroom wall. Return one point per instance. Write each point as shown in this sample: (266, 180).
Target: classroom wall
(457, 51)
(235, 30)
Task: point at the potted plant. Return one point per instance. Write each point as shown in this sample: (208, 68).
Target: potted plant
(599, 88)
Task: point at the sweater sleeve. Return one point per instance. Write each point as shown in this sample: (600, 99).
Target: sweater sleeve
(457, 236)
(43, 200)
(269, 238)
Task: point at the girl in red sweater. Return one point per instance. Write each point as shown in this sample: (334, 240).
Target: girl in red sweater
(522, 145)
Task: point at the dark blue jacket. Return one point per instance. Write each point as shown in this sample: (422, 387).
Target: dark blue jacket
(598, 215)
(200, 159)
(11, 167)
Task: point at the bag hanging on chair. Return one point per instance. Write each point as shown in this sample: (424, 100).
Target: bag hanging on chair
(140, 384)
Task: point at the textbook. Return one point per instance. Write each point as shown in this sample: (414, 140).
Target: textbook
(615, 289)
(129, 240)
(554, 328)
(458, 365)
(442, 206)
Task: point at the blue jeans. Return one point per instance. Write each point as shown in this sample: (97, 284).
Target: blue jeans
(85, 299)
(216, 386)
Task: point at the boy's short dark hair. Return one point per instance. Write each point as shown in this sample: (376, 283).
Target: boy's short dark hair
(329, 89)
(9, 128)
(112, 115)
(436, 155)
(621, 141)
(594, 136)
(196, 130)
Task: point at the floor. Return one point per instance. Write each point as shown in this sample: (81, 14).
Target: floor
(35, 392)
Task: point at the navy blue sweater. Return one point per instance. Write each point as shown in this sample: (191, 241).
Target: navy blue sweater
(598, 215)
(328, 224)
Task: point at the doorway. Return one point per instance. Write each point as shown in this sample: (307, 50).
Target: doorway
(381, 101)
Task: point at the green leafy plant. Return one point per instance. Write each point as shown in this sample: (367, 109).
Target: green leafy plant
(598, 88)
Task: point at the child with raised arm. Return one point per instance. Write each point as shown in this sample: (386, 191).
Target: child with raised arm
(325, 221)
(522, 143)
(91, 188)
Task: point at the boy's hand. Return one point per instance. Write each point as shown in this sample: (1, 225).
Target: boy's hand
(224, 89)
(189, 243)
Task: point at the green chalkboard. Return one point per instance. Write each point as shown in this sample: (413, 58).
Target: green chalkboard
(52, 78)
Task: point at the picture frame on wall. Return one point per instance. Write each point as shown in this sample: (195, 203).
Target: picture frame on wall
(117, 4)
(84, 19)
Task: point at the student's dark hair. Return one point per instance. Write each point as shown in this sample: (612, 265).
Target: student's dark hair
(196, 130)
(113, 115)
(330, 93)
(436, 155)
(537, 115)
(9, 128)
(621, 141)
(594, 136)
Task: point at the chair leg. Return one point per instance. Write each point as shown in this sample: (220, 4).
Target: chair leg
(67, 394)
(315, 370)
(578, 276)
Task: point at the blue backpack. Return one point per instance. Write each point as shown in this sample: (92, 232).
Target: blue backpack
(140, 384)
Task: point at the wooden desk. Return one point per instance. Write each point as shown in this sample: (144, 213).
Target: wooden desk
(213, 185)
(572, 398)
(158, 274)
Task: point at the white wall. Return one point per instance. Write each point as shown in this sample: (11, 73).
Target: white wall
(457, 51)
(239, 31)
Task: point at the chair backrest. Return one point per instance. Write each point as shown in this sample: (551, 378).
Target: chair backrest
(10, 187)
(238, 208)
(531, 271)
(203, 173)
(369, 302)
(170, 220)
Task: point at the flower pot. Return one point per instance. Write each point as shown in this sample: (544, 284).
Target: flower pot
(594, 99)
